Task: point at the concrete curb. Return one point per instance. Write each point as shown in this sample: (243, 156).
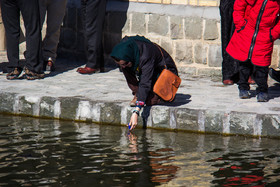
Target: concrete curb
(160, 117)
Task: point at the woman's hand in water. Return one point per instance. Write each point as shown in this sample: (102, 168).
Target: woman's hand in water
(133, 121)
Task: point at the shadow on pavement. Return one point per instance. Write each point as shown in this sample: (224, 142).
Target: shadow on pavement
(180, 99)
(274, 91)
(61, 65)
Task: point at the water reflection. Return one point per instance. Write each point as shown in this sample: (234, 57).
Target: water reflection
(239, 169)
(159, 167)
(37, 152)
(253, 167)
(42, 152)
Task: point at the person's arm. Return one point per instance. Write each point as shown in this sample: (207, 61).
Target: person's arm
(136, 112)
(275, 31)
(145, 86)
(239, 11)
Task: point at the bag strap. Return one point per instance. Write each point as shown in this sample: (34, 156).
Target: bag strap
(165, 67)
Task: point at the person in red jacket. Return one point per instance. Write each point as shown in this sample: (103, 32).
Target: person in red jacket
(257, 27)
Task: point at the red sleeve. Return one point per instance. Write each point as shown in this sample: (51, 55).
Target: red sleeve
(239, 13)
(275, 31)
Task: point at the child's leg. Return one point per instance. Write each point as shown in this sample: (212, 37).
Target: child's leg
(245, 70)
(261, 75)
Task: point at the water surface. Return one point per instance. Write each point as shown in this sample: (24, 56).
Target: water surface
(39, 152)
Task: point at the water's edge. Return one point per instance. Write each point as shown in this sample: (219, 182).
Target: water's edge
(158, 117)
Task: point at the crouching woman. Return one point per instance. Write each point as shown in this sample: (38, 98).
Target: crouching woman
(141, 62)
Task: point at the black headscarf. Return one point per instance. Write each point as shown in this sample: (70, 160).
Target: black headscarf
(128, 51)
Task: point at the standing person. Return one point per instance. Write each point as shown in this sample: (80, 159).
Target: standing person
(11, 10)
(93, 12)
(230, 70)
(55, 10)
(252, 42)
(229, 65)
(141, 62)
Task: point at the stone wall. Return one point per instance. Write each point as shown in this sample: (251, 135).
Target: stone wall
(191, 34)
(2, 34)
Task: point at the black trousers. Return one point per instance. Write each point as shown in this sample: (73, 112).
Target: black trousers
(260, 74)
(11, 18)
(229, 65)
(93, 14)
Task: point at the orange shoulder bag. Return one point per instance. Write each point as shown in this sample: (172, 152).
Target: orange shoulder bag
(167, 83)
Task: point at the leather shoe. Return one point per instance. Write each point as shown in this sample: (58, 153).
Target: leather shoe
(228, 82)
(87, 70)
(251, 81)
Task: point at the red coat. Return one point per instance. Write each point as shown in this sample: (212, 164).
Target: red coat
(256, 29)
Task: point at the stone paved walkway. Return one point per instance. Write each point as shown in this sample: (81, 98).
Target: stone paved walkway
(202, 104)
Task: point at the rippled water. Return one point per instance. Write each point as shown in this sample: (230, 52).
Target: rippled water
(37, 152)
